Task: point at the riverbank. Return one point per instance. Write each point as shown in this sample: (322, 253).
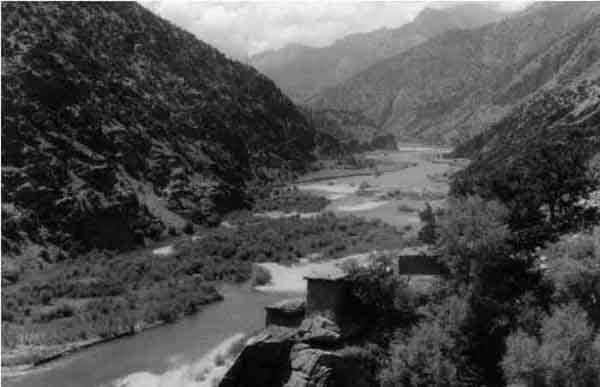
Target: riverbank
(291, 278)
(336, 173)
(65, 350)
(152, 276)
(386, 196)
(104, 297)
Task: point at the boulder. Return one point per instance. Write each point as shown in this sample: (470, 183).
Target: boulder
(319, 330)
(264, 362)
(312, 355)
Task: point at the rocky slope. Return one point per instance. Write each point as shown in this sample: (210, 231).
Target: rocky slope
(313, 354)
(563, 115)
(352, 130)
(116, 124)
(458, 84)
(301, 71)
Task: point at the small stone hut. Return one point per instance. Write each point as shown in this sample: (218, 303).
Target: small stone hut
(328, 294)
(419, 261)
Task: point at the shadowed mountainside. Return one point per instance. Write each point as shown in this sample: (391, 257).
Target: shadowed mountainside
(301, 71)
(553, 127)
(458, 84)
(115, 124)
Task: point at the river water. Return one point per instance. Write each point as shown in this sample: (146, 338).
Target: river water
(415, 183)
(184, 353)
(176, 351)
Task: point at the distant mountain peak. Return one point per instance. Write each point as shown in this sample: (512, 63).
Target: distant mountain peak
(302, 71)
(462, 81)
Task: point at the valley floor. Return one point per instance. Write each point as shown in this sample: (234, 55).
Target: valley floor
(102, 297)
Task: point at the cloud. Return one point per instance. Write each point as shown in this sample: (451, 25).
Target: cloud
(243, 29)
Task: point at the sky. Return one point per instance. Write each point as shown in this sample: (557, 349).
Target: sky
(241, 29)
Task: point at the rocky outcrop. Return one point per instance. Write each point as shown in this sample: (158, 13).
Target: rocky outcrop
(264, 362)
(313, 355)
(117, 124)
(314, 367)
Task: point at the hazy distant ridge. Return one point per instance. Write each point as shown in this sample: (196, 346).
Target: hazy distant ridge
(301, 71)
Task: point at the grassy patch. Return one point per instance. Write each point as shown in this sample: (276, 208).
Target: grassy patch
(261, 276)
(102, 295)
(291, 201)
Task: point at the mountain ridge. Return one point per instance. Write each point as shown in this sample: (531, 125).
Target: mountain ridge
(112, 135)
(302, 70)
(450, 87)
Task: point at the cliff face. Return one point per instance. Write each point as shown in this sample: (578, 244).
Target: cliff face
(116, 124)
(460, 83)
(310, 356)
(302, 71)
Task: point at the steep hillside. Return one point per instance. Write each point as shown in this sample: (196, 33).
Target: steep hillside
(301, 71)
(544, 146)
(351, 129)
(116, 124)
(459, 83)
(553, 114)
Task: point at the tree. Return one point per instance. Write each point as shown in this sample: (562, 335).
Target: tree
(432, 353)
(381, 294)
(573, 268)
(472, 234)
(540, 183)
(557, 173)
(428, 233)
(566, 354)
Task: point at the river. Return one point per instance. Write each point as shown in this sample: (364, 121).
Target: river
(188, 352)
(168, 351)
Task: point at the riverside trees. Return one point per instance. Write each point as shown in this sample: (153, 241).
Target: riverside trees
(531, 316)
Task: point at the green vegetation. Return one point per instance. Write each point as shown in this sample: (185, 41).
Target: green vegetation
(406, 208)
(290, 200)
(565, 351)
(260, 276)
(414, 195)
(519, 305)
(427, 233)
(380, 294)
(103, 295)
(540, 187)
(430, 353)
(502, 315)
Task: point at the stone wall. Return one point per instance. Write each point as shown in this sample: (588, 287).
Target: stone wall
(287, 313)
(327, 298)
(420, 264)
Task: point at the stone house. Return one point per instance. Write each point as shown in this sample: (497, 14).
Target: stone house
(419, 261)
(328, 294)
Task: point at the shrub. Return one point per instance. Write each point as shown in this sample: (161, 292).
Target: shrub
(573, 268)
(55, 313)
(567, 353)
(379, 293)
(427, 233)
(188, 228)
(46, 296)
(472, 234)
(261, 276)
(405, 208)
(432, 353)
